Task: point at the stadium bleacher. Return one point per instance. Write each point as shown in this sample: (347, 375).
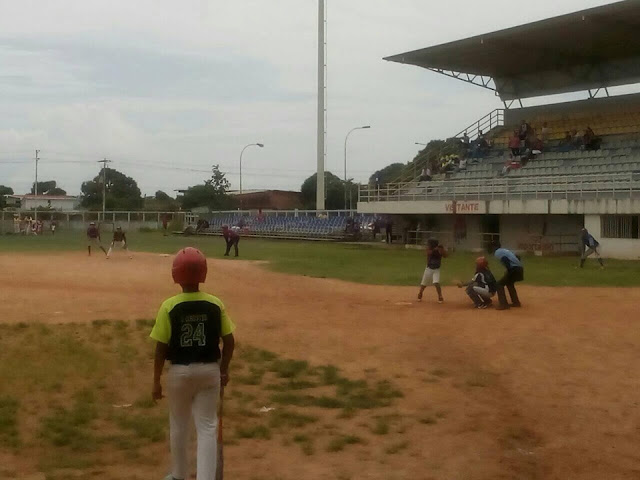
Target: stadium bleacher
(280, 224)
(613, 167)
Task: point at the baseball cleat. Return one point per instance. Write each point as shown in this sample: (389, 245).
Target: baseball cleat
(441, 300)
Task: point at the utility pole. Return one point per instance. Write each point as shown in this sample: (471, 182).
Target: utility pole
(104, 184)
(35, 187)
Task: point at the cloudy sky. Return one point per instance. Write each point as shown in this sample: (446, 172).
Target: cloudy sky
(165, 89)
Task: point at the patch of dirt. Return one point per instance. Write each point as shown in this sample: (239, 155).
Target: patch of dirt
(547, 391)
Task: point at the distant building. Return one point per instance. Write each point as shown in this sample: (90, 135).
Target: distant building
(62, 203)
(267, 199)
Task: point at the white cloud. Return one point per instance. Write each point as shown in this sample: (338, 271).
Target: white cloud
(189, 83)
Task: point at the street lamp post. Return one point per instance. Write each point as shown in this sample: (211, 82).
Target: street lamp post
(261, 145)
(345, 162)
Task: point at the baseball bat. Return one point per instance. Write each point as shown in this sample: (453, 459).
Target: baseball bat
(220, 453)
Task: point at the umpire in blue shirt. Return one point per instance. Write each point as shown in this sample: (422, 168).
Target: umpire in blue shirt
(514, 273)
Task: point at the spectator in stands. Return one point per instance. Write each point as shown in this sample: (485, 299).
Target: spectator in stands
(525, 131)
(201, 225)
(444, 163)
(514, 143)
(537, 145)
(462, 165)
(425, 176)
(578, 139)
(481, 146)
(591, 142)
(566, 144)
(465, 142)
(544, 133)
(507, 166)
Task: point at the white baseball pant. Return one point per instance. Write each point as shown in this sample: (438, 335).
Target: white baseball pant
(483, 292)
(590, 251)
(194, 390)
(430, 274)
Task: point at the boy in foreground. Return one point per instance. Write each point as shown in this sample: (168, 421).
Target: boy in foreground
(188, 330)
(482, 286)
(435, 254)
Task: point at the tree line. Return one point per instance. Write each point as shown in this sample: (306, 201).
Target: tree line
(123, 193)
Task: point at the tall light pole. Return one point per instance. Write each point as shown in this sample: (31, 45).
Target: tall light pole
(104, 184)
(35, 187)
(321, 132)
(345, 162)
(261, 145)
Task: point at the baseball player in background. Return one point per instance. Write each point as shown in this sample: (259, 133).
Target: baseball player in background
(93, 238)
(232, 239)
(435, 254)
(514, 273)
(119, 240)
(188, 330)
(590, 246)
(482, 286)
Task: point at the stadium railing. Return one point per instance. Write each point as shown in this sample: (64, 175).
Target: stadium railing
(610, 185)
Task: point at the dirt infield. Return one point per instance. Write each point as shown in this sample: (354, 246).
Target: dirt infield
(549, 391)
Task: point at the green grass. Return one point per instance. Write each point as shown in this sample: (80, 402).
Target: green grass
(9, 422)
(306, 444)
(150, 428)
(70, 427)
(89, 402)
(257, 431)
(283, 418)
(381, 427)
(337, 444)
(356, 263)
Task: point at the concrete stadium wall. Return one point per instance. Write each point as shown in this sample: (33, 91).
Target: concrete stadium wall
(559, 233)
(612, 206)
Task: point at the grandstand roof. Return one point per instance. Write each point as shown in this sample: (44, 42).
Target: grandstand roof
(590, 49)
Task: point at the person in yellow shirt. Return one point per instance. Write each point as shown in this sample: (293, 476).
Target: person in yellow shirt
(188, 331)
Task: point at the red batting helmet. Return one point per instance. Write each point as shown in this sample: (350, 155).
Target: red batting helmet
(189, 267)
(482, 262)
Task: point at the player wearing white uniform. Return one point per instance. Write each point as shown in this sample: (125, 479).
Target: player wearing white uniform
(188, 330)
(435, 254)
(482, 286)
(119, 240)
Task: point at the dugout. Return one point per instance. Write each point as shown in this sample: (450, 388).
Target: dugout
(542, 206)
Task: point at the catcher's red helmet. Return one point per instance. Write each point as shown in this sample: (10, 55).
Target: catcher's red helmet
(189, 267)
(482, 262)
